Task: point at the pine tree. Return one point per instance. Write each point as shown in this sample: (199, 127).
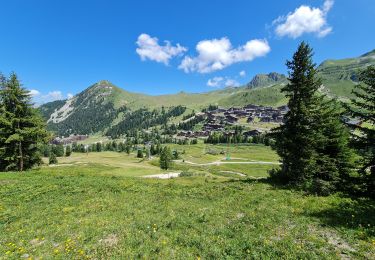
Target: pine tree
(68, 151)
(52, 158)
(127, 149)
(98, 146)
(21, 127)
(295, 138)
(139, 153)
(165, 160)
(58, 150)
(364, 110)
(313, 143)
(333, 159)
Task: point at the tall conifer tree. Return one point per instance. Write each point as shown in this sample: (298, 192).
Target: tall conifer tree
(364, 109)
(294, 139)
(313, 142)
(21, 127)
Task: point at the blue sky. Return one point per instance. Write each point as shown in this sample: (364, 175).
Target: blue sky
(61, 47)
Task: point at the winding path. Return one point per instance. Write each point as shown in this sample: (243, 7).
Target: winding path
(221, 162)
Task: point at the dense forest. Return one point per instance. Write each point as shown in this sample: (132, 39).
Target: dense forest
(144, 119)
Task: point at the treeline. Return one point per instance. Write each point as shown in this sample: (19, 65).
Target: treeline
(128, 145)
(315, 146)
(238, 138)
(143, 119)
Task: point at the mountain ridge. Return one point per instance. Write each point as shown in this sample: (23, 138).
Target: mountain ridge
(104, 101)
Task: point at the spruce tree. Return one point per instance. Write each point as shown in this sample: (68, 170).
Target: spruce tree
(333, 158)
(313, 143)
(52, 158)
(98, 146)
(165, 160)
(139, 153)
(363, 108)
(295, 138)
(21, 127)
(68, 151)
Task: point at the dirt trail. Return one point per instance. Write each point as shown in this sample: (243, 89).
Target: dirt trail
(237, 173)
(220, 162)
(168, 175)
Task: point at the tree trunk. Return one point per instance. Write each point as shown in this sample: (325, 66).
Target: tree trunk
(20, 167)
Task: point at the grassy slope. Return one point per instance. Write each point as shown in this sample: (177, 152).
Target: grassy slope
(338, 75)
(268, 96)
(78, 212)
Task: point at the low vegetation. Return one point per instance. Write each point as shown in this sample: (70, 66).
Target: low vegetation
(90, 211)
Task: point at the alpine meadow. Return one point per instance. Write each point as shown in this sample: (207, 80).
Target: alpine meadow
(189, 130)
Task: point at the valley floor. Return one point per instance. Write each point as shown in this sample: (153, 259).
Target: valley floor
(96, 207)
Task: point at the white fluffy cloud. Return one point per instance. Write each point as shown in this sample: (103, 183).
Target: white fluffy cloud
(231, 83)
(54, 95)
(304, 19)
(34, 92)
(215, 82)
(149, 48)
(219, 82)
(40, 98)
(242, 73)
(218, 54)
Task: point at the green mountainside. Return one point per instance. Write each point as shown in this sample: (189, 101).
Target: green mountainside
(267, 80)
(103, 106)
(340, 76)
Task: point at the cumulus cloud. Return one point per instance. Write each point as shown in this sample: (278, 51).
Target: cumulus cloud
(219, 82)
(34, 92)
(231, 83)
(304, 19)
(39, 98)
(215, 82)
(149, 48)
(54, 95)
(242, 73)
(218, 54)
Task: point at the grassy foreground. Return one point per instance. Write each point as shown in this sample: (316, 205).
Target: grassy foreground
(79, 212)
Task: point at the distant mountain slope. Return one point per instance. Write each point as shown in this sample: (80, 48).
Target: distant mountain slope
(340, 76)
(266, 80)
(266, 96)
(103, 105)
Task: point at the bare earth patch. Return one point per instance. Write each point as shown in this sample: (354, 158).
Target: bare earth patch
(164, 175)
(110, 241)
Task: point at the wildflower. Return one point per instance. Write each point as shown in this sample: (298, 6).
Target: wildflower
(56, 251)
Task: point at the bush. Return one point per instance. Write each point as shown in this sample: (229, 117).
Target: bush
(277, 175)
(139, 153)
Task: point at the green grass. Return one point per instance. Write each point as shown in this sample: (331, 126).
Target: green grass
(249, 152)
(121, 163)
(78, 212)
